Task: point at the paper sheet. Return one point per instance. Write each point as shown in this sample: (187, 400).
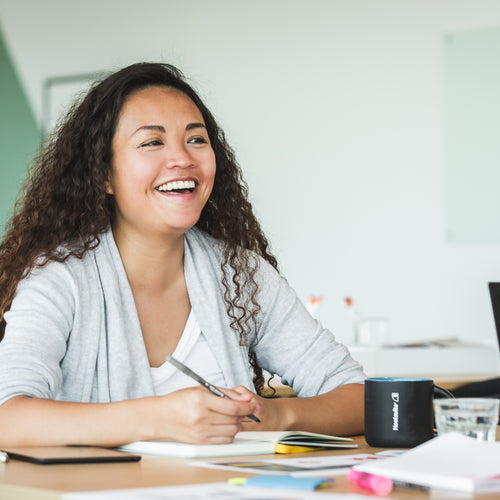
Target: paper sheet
(208, 491)
(299, 467)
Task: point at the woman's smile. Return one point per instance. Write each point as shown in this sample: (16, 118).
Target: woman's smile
(177, 187)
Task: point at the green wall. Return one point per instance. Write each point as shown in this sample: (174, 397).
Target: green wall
(19, 134)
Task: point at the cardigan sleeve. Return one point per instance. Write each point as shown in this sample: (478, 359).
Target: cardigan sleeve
(73, 333)
(37, 329)
(294, 345)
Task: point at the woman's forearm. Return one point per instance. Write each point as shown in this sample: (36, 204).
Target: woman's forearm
(191, 415)
(29, 421)
(339, 412)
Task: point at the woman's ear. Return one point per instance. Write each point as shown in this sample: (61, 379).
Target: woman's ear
(108, 187)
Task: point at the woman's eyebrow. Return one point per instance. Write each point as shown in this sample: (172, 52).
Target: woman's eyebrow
(161, 128)
(158, 128)
(191, 126)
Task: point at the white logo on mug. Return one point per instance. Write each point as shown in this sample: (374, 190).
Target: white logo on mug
(395, 411)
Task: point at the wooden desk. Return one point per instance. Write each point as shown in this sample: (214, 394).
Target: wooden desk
(24, 481)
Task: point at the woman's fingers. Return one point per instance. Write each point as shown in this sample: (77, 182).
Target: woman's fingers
(201, 417)
(241, 393)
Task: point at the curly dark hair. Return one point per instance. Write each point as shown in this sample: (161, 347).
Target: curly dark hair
(64, 199)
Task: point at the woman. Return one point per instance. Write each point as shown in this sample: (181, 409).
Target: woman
(135, 240)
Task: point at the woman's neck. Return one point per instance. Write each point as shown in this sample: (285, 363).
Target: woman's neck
(152, 264)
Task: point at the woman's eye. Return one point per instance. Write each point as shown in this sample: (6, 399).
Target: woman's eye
(197, 140)
(154, 142)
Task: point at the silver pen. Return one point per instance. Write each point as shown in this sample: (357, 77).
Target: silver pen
(190, 373)
(4, 458)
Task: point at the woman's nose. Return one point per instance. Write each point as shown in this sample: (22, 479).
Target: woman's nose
(178, 156)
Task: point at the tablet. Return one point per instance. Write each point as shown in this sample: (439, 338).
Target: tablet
(69, 455)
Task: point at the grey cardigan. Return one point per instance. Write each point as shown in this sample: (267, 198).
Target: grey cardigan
(73, 333)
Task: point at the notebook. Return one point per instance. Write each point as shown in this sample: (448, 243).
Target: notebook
(451, 461)
(245, 443)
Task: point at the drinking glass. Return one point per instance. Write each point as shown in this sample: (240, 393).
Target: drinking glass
(474, 417)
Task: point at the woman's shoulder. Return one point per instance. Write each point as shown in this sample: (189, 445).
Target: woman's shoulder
(204, 247)
(197, 236)
(67, 259)
(206, 252)
(203, 243)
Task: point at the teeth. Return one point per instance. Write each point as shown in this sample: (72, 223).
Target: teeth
(174, 185)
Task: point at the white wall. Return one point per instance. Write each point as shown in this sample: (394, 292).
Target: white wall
(334, 108)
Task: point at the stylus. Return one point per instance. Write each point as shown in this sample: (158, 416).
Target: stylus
(190, 373)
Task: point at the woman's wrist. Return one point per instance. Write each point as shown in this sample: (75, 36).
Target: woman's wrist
(281, 415)
(149, 419)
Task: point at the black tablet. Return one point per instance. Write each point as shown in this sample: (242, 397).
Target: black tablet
(69, 455)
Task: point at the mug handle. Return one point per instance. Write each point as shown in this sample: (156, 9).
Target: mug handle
(445, 393)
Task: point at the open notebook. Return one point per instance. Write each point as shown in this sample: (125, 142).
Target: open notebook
(245, 443)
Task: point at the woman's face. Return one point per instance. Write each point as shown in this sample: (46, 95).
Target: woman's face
(163, 164)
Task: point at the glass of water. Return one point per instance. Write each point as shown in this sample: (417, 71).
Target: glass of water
(474, 417)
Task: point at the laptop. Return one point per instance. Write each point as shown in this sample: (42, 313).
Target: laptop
(491, 387)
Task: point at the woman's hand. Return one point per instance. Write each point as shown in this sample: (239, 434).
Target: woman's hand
(190, 415)
(195, 415)
(272, 417)
(338, 412)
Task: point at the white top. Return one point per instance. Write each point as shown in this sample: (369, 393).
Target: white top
(192, 350)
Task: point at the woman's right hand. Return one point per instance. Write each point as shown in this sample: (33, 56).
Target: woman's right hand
(194, 415)
(191, 415)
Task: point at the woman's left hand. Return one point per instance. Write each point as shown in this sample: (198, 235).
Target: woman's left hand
(343, 405)
(268, 413)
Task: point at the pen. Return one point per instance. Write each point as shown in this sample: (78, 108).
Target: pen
(4, 458)
(190, 373)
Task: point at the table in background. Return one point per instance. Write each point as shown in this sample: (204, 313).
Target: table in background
(419, 361)
(25, 481)
(446, 381)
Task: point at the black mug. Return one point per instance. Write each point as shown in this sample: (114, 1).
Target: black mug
(399, 411)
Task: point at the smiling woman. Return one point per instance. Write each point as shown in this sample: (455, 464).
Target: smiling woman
(135, 240)
(161, 141)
